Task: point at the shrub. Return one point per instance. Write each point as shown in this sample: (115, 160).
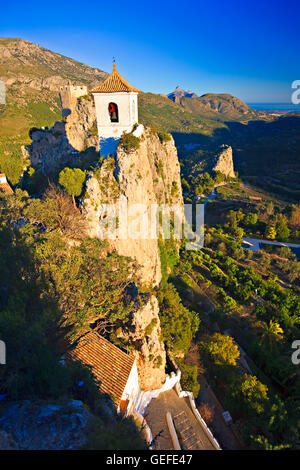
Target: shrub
(178, 324)
(150, 327)
(129, 142)
(94, 130)
(164, 137)
(189, 380)
(207, 413)
(221, 348)
(72, 181)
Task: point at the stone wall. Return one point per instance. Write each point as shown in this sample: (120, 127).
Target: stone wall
(68, 97)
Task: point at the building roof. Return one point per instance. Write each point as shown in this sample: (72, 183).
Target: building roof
(5, 187)
(109, 364)
(114, 83)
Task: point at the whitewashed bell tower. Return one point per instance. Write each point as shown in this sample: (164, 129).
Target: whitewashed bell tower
(116, 105)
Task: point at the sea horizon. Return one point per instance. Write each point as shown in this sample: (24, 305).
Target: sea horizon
(267, 106)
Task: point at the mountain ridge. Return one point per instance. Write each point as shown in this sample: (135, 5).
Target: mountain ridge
(213, 105)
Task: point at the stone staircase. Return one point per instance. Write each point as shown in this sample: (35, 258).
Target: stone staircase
(188, 438)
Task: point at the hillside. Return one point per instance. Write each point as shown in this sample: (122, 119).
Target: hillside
(164, 114)
(217, 106)
(33, 75)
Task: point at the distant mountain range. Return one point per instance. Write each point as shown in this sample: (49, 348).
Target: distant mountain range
(178, 92)
(33, 76)
(213, 105)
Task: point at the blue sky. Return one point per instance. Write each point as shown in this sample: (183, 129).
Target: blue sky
(249, 49)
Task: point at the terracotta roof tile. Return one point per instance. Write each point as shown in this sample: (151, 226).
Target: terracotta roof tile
(109, 364)
(114, 83)
(6, 188)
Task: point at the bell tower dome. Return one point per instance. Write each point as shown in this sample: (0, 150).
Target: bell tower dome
(116, 105)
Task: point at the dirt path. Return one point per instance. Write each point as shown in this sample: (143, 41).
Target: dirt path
(222, 432)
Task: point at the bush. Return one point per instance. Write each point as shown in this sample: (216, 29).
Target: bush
(221, 349)
(72, 181)
(164, 137)
(189, 377)
(129, 142)
(207, 413)
(150, 327)
(178, 324)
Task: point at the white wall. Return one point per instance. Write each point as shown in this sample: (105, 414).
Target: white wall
(139, 399)
(128, 115)
(132, 389)
(145, 398)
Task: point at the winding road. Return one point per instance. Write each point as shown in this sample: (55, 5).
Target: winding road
(254, 243)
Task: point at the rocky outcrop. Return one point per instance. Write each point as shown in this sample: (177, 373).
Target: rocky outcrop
(143, 178)
(29, 65)
(179, 92)
(213, 105)
(149, 175)
(81, 125)
(53, 149)
(223, 161)
(26, 425)
(146, 176)
(50, 149)
(143, 332)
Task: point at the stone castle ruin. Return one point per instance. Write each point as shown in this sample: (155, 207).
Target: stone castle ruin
(68, 97)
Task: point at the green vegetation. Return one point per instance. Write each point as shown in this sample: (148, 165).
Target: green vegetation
(247, 295)
(29, 107)
(72, 181)
(163, 115)
(59, 290)
(129, 142)
(221, 350)
(149, 328)
(11, 162)
(164, 137)
(56, 283)
(51, 292)
(189, 377)
(258, 217)
(178, 324)
(121, 434)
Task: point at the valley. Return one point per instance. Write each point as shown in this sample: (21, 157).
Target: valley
(221, 318)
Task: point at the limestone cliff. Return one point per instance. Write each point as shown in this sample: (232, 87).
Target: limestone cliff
(52, 149)
(223, 161)
(26, 425)
(219, 159)
(142, 331)
(147, 175)
(81, 125)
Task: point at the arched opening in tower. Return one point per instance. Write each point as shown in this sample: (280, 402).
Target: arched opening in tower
(113, 112)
